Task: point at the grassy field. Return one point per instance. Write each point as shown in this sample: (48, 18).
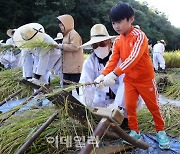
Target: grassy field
(172, 59)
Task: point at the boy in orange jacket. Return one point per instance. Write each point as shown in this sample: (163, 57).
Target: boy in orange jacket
(132, 48)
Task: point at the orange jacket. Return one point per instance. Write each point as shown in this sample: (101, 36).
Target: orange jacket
(132, 49)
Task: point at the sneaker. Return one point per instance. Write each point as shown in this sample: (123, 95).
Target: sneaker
(163, 140)
(134, 135)
(35, 81)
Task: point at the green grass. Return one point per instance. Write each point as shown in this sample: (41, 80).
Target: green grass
(171, 115)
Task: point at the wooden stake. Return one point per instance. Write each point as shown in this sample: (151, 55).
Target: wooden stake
(37, 133)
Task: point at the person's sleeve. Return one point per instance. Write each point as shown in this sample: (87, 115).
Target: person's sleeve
(8, 42)
(86, 95)
(139, 47)
(113, 60)
(74, 43)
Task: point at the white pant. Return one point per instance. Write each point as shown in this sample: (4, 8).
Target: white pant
(158, 58)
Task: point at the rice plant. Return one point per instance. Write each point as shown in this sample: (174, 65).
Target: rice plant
(172, 59)
(9, 84)
(17, 130)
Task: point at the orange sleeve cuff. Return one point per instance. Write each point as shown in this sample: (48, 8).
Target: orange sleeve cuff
(104, 72)
(118, 71)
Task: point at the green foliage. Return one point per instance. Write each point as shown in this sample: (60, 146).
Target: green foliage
(155, 24)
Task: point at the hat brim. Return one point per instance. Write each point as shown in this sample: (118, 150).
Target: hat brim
(88, 45)
(17, 38)
(57, 38)
(10, 31)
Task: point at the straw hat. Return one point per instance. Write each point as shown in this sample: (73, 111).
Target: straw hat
(28, 32)
(10, 32)
(99, 33)
(162, 41)
(59, 36)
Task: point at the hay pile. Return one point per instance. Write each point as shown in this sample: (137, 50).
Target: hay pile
(169, 84)
(9, 84)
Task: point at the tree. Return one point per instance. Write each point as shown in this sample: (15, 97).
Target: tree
(15, 13)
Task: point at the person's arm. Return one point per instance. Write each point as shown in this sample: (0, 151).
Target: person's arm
(136, 53)
(73, 44)
(113, 61)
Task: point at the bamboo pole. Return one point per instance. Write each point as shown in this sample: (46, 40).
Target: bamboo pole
(25, 102)
(28, 143)
(137, 143)
(11, 96)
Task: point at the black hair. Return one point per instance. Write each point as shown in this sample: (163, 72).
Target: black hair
(120, 12)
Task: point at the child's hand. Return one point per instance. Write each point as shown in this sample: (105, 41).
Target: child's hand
(110, 79)
(99, 79)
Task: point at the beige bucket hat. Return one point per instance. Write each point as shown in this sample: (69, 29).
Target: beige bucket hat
(59, 36)
(28, 32)
(10, 32)
(98, 33)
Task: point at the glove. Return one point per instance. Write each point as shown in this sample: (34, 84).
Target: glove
(99, 80)
(110, 79)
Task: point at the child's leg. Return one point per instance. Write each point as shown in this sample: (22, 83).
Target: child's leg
(149, 93)
(131, 96)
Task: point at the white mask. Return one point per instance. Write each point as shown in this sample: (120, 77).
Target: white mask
(101, 52)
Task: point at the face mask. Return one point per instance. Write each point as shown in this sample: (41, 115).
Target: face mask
(102, 52)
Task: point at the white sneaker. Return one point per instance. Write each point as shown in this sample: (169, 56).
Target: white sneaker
(35, 81)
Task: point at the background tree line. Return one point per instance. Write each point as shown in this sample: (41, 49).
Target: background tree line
(86, 13)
